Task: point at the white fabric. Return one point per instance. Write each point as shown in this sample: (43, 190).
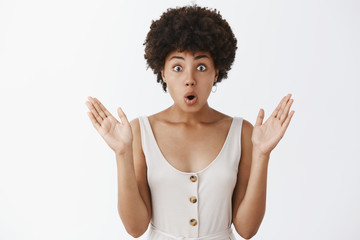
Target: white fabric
(171, 189)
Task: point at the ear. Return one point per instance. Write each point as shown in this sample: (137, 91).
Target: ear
(162, 74)
(216, 74)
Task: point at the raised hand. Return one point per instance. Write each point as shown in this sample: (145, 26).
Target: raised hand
(118, 135)
(266, 136)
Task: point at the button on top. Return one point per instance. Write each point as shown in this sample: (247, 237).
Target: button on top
(193, 222)
(193, 199)
(193, 178)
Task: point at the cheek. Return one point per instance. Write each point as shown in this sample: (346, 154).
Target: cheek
(206, 83)
(175, 88)
(207, 89)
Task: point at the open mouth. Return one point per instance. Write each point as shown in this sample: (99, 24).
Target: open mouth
(191, 99)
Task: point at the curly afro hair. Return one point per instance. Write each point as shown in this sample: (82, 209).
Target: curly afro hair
(190, 28)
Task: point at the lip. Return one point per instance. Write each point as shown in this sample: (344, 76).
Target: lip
(192, 101)
(190, 93)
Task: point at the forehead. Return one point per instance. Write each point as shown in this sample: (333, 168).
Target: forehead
(184, 54)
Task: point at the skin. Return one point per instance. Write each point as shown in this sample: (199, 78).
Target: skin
(184, 72)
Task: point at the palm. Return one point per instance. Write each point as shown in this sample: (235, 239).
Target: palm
(266, 136)
(118, 135)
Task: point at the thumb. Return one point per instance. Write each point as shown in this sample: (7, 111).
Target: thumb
(122, 115)
(260, 117)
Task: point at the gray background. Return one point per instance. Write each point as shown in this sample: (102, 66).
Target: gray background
(58, 176)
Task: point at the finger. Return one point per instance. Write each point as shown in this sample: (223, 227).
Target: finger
(283, 104)
(98, 109)
(106, 112)
(286, 110)
(287, 121)
(93, 120)
(277, 108)
(122, 116)
(91, 107)
(260, 117)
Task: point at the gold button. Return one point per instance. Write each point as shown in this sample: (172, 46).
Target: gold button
(193, 178)
(193, 222)
(193, 199)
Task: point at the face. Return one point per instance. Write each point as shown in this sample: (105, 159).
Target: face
(189, 78)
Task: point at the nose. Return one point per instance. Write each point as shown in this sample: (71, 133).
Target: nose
(190, 80)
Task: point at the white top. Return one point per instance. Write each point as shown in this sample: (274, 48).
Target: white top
(197, 205)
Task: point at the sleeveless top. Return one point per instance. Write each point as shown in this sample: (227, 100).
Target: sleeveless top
(196, 205)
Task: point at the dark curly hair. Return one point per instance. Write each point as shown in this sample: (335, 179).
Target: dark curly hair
(190, 28)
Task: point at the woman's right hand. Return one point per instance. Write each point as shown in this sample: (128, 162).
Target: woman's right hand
(118, 135)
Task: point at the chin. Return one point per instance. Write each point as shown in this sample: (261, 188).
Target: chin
(193, 108)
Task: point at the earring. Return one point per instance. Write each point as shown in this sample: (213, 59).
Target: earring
(214, 89)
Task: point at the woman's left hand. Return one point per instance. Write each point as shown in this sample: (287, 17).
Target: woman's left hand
(266, 136)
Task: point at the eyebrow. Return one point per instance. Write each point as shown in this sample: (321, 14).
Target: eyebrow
(196, 58)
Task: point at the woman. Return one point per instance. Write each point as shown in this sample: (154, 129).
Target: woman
(190, 170)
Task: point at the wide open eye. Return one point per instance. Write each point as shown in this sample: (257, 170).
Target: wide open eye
(201, 67)
(177, 68)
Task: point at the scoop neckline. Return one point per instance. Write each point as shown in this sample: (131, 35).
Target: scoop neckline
(202, 170)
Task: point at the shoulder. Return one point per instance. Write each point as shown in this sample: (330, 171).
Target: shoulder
(135, 128)
(246, 143)
(247, 128)
(135, 125)
(246, 147)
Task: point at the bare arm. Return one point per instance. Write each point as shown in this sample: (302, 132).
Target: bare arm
(134, 204)
(249, 199)
(250, 192)
(124, 139)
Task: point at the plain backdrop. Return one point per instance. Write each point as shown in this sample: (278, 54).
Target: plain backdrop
(58, 177)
